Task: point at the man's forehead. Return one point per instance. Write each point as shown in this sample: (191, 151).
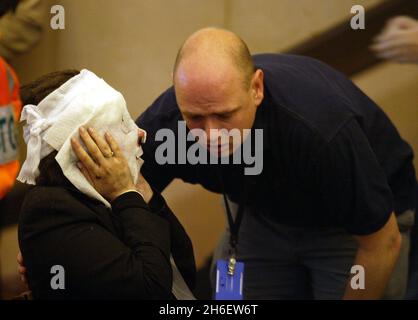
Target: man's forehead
(208, 95)
(192, 110)
(204, 88)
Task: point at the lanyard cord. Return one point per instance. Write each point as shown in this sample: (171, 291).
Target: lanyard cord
(233, 225)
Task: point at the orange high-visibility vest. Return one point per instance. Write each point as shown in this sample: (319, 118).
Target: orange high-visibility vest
(10, 107)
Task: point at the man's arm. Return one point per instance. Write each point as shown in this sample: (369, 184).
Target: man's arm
(356, 191)
(377, 254)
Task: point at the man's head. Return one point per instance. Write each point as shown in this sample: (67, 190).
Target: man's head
(7, 5)
(216, 84)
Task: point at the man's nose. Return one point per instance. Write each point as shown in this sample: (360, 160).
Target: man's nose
(210, 127)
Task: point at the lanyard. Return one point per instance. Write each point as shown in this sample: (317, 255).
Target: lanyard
(233, 225)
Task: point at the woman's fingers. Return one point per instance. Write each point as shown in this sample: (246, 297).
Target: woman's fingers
(113, 144)
(91, 145)
(101, 143)
(21, 268)
(19, 258)
(110, 176)
(84, 158)
(144, 188)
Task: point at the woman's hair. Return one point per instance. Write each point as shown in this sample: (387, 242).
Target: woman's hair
(8, 5)
(50, 172)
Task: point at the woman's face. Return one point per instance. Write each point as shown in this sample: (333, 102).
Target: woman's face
(117, 120)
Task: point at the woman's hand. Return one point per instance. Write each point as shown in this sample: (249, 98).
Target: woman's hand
(21, 268)
(144, 188)
(104, 166)
(142, 185)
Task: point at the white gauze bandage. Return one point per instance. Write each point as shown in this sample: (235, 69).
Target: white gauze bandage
(84, 100)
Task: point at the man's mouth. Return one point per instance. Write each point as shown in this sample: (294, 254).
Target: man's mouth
(219, 149)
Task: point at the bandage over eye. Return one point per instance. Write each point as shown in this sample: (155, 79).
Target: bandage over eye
(84, 100)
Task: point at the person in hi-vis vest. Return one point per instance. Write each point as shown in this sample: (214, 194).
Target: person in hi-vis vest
(10, 107)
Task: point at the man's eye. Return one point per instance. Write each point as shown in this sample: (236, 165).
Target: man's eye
(194, 118)
(224, 116)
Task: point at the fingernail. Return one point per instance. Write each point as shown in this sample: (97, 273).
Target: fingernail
(91, 130)
(107, 134)
(82, 130)
(79, 165)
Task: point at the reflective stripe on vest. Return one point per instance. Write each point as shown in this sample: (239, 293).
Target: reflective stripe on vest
(8, 137)
(10, 80)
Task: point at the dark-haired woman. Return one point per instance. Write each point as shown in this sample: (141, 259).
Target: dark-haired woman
(75, 247)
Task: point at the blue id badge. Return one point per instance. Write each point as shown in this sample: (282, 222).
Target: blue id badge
(229, 283)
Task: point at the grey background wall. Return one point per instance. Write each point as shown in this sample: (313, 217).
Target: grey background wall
(132, 44)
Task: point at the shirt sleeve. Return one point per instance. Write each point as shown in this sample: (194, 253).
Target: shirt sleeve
(181, 245)
(352, 185)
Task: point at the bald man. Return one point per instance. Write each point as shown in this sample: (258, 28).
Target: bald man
(328, 216)
(336, 193)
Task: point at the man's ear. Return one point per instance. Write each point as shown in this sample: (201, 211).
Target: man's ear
(257, 86)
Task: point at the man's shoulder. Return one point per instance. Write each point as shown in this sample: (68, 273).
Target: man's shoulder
(301, 79)
(306, 91)
(287, 61)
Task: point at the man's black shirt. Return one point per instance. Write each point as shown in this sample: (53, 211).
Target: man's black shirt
(331, 155)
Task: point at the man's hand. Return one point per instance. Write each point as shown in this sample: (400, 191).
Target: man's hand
(398, 41)
(377, 254)
(104, 166)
